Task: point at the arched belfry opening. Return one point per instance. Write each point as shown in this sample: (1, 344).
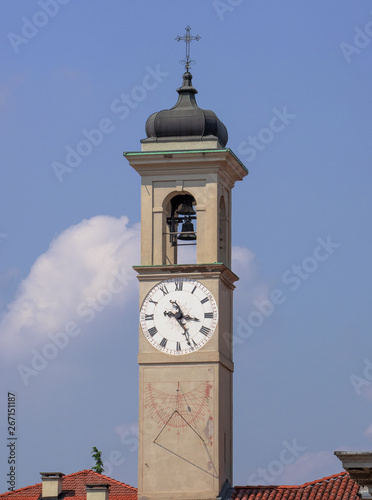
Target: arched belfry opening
(181, 230)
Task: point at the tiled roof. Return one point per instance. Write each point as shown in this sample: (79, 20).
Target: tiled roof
(337, 487)
(73, 487)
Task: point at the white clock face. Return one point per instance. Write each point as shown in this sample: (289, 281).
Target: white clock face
(179, 316)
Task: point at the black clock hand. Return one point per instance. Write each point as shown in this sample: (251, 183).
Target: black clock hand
(190, 318)
(170, 314)
(178, 314)
(185, 331)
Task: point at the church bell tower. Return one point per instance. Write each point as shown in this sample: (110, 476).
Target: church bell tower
(185, 333)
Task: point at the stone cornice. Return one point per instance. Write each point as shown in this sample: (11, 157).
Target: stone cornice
(193, 271)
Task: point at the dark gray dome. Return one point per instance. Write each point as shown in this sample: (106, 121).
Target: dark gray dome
(185, 120)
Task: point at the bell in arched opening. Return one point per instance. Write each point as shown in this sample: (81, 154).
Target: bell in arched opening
(182, 212)
(187, 231)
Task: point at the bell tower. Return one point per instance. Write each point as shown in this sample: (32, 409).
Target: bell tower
(185, 334)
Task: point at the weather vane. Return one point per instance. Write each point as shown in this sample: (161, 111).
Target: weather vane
(187, 39)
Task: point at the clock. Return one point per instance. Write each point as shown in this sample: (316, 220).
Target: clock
(179, 316)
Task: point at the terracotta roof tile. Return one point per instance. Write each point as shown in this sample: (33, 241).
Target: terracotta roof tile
(73, 487)
(336, 487)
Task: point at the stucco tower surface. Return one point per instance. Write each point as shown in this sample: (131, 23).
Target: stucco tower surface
(185, 413)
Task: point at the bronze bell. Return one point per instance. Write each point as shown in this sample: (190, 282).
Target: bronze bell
(187, 231)
(186, 207)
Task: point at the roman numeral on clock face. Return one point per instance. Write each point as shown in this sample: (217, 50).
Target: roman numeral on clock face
(164, 290)
(152, 331)
(204, 330)
(163, 343)
(207, 315)
(149, 317)
(204, 300)
(178, 285)
(178, 346)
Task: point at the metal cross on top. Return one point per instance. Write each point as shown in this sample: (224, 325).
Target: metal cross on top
(188, 39)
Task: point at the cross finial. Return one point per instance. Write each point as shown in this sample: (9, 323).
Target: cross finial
(187, 39)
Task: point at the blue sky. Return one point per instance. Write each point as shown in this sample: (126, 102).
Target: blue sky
(292, 82)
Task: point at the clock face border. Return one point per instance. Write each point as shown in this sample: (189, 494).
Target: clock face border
(159, 310)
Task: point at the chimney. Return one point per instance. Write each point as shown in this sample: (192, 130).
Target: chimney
(97, 491)
(359, 466)
(51, 484)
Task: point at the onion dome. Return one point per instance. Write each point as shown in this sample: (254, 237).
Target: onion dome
(185, 121)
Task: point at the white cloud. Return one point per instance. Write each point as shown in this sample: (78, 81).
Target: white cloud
(366, 390)
(86, 268)
(251, 284)
(78, 270)
(309, 467)
(368, 431)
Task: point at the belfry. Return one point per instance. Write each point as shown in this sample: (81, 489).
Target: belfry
(186, 309)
